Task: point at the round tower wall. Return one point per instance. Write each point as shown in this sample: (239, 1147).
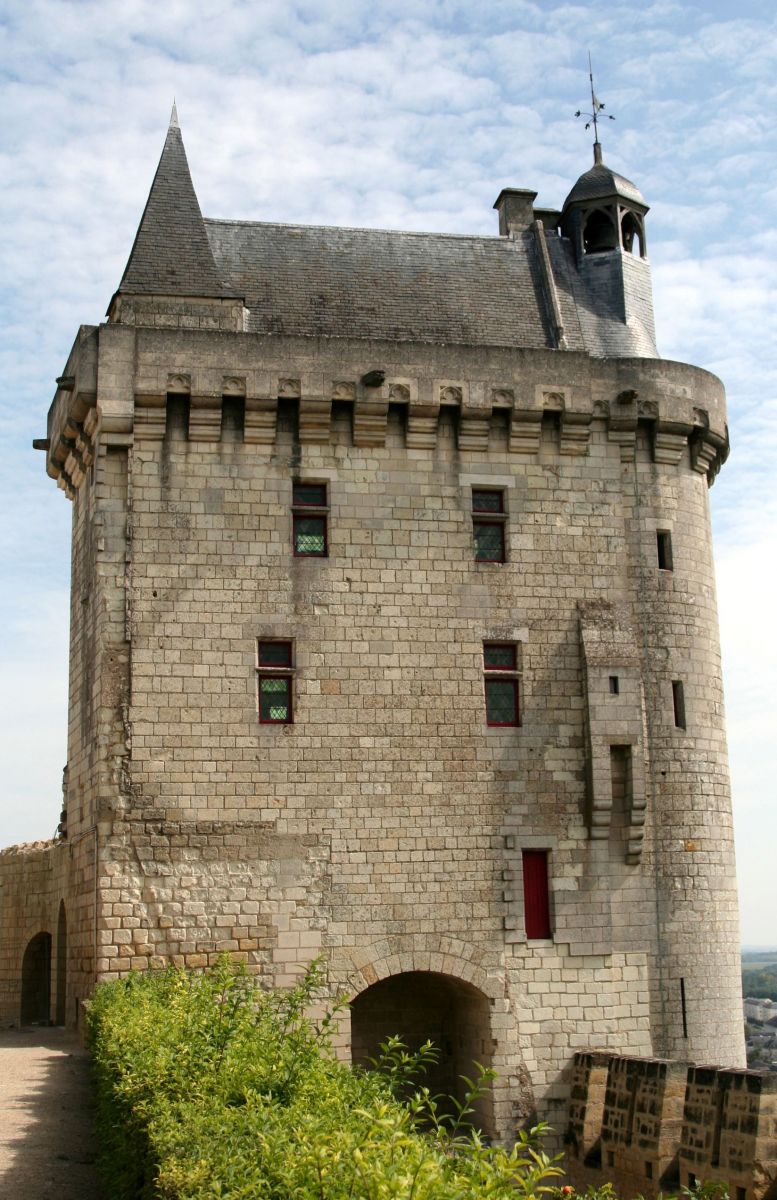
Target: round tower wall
(696, 983)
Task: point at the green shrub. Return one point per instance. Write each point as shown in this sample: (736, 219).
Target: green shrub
(211, 1089)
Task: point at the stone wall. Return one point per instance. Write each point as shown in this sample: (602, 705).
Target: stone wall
(47, 888)
(652, 1125)
(384, 827)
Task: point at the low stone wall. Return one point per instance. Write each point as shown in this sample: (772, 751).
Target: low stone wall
(46, 904)
(653, 1125)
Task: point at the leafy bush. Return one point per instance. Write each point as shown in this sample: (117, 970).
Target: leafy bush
(211, 1089)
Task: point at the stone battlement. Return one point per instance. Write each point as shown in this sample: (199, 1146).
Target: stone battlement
(655, 1125)
(497, 397)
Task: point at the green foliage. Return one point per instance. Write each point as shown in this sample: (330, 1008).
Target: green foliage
(210, 1089)
(760, 982)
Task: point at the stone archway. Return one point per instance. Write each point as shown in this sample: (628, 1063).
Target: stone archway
(424, 1005)
(61, 1004)
(36, 981)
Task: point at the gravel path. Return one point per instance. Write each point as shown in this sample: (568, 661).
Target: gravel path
(47, 1145)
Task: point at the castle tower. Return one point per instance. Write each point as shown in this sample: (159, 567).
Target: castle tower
(394, 637)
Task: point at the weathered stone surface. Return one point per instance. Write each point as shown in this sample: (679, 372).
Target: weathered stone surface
(384, 828)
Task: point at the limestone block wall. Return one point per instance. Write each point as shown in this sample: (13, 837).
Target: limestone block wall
(98, 735)
(385, 826)
(694, 864)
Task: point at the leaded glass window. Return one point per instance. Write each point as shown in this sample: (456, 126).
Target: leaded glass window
(501, 701)
(500, 663)
(489, 529)
(274, 699)
(309, 520)
(309, 536)
(275, 669)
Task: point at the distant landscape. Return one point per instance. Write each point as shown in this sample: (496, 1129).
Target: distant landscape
(759, 973)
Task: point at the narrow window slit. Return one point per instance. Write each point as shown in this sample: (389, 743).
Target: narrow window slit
(664, 549)
(678, 703)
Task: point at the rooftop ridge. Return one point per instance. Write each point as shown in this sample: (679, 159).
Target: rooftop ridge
(496, 238)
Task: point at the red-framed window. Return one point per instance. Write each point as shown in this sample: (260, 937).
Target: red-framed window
(310, 509)
(500, 670)
(488, 524)
(275, 672)
(536, 894)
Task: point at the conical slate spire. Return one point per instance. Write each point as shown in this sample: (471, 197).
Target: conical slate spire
(171, 254)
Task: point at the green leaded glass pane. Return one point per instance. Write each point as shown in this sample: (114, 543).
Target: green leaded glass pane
(499, 657)
(311, 494)
(501, 702)
(489, 542)
(487, 501)
(310, 535)
(274, 699)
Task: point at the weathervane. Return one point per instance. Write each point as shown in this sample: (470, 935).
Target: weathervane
(597, 107)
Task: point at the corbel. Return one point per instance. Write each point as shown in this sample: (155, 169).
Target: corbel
(575, 433)
(525, 431)
(150, 416)
(204, 418)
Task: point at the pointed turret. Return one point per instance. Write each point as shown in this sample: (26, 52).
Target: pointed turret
(171, 255)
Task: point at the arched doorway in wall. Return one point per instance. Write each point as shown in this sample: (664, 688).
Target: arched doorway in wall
(422, 1006)
(36, 981)
(61, 1005)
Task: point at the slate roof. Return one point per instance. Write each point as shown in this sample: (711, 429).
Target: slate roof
(368, 283)
(171, 254)
(601, 182)
(319, 281)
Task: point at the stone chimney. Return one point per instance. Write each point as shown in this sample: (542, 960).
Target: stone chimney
(516, 210)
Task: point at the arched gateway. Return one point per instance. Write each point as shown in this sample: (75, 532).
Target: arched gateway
(421, 1006)
(36, 980)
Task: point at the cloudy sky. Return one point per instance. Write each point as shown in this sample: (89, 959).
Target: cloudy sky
(399, 114)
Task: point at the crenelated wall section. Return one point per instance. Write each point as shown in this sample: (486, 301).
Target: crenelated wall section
(655, 1125)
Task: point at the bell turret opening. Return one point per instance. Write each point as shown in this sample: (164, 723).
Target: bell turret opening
(613, 228)
(600, 232)
(633, 234)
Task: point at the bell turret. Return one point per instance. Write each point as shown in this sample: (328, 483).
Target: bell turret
(604, 211)
(604, 219)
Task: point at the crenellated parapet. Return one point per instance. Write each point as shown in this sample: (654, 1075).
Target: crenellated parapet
(676, 413)
(657, 1124)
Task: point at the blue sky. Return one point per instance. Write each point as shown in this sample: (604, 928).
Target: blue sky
(400, 115)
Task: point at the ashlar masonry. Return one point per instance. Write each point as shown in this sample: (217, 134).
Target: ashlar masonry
(391, 565)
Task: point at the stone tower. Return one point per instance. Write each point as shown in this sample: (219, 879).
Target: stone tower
(394, 640)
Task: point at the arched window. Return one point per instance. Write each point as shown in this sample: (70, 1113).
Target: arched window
(599, 232)
(631, 234)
